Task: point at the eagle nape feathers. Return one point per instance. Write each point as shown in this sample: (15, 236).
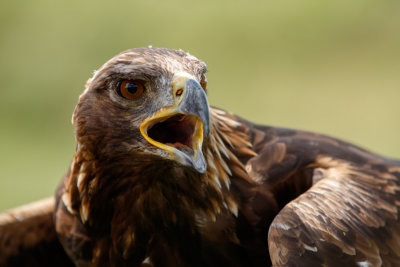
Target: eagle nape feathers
(160, 178)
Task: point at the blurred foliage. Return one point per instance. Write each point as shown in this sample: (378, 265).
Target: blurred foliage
(326, 66)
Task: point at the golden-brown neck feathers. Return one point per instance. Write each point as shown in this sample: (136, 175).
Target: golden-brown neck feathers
(227, 140)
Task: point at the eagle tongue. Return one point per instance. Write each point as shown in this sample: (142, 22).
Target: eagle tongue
(176, 131)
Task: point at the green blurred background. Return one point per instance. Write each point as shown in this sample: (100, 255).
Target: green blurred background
(326, 66)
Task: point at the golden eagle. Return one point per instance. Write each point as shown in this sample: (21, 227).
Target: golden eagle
(160, 178)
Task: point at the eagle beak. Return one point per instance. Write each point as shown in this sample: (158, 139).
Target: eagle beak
(180, 129)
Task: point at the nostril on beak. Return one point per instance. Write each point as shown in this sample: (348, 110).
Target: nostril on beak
(179, 92)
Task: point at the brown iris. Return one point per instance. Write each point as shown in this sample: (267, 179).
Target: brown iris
(130, 89)
(203, 82)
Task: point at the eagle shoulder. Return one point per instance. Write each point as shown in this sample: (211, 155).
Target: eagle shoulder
(338, 203)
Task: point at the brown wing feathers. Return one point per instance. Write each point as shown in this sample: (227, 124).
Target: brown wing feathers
(28, 237)
(348, 218)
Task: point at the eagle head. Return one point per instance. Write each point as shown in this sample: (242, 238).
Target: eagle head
(146, 100)
(151, 159)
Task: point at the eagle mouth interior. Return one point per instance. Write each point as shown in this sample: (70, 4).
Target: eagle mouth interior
(178, 131)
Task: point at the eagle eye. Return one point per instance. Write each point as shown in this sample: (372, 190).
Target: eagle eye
(203, 82)
(130, 89)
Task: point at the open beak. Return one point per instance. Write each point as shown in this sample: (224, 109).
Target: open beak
(180, 129)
